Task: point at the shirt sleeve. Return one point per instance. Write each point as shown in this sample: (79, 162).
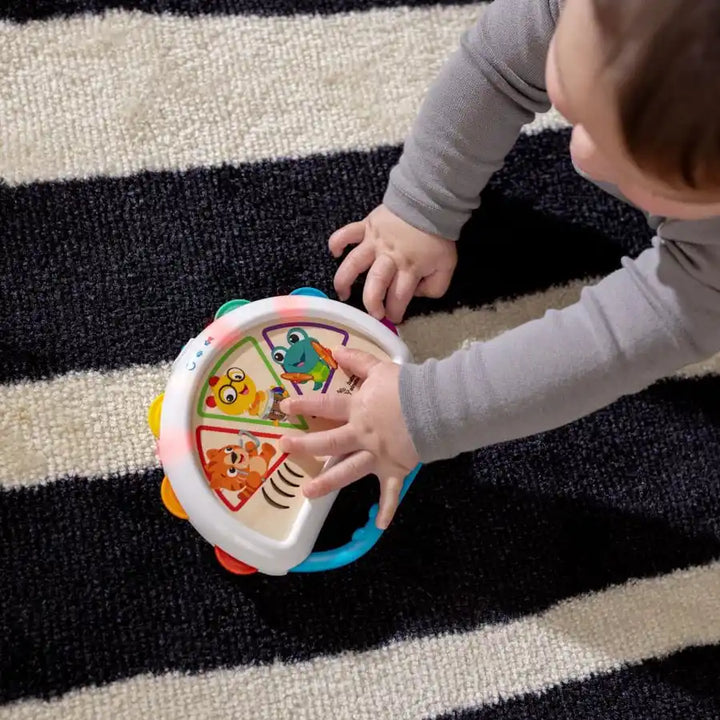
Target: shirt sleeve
(472, 115)
(655, 315)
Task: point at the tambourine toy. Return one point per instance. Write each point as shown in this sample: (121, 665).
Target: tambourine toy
(219, 424)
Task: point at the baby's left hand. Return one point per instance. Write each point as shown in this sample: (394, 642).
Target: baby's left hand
(372, 434)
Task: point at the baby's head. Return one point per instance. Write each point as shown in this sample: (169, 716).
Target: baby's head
(640, 81)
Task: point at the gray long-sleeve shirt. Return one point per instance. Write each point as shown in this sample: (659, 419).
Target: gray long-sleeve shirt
(655, 315)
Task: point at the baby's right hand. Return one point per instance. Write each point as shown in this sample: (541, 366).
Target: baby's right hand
(401, 261)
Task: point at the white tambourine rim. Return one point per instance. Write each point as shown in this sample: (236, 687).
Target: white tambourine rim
(177, 448)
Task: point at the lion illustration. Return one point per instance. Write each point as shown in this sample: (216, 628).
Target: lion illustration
(239, 468)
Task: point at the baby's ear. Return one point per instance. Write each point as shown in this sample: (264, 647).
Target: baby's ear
(213, 381)
(210, 402)
(212, 454)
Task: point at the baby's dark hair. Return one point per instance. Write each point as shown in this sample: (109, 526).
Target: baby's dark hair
(665, 55)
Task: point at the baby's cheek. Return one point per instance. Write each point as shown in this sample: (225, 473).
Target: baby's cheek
(586, 157)
(581, 150)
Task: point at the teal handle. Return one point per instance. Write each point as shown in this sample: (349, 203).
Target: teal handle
(363, 539)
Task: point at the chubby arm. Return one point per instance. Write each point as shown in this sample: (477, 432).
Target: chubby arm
(472, 115)
(655, 315)
(492, 85)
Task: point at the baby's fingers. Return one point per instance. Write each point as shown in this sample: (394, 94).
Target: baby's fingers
(340, 441)
(399, 295)
(347, 471)
(389, 500)
(356, 263)
(434, 285)
(378, 280)
(351, 234)
(330, 407)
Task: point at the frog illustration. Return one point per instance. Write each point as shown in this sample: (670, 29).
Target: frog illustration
(304, 359)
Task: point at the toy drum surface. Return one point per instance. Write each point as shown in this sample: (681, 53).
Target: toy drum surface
(219, 426)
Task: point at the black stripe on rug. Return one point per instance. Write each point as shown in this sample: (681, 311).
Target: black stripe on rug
(23, 11)
(112, 272)
(100, 582)
(683, 686)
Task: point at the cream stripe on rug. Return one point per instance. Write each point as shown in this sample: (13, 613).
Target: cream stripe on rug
(92, 424)
(588, 635)
(126, 91)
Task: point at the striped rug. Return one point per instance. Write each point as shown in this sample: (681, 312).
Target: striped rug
(159, 157)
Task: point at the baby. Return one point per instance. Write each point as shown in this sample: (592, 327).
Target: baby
(640, 82)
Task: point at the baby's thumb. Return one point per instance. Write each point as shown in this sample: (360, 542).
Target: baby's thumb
(434, 285)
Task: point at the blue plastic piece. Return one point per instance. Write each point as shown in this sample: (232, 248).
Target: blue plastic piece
(362, 540)
(309, 291)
